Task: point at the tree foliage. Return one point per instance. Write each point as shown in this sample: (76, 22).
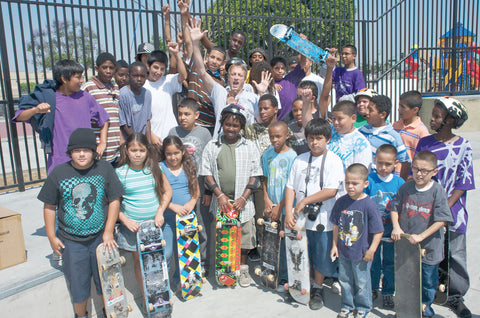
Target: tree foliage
(63, 40)
(325, 23)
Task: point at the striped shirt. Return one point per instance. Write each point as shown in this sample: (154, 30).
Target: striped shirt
(108, 96)
(378, 136)
(411, 134)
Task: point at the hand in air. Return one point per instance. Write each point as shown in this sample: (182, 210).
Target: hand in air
(196, 32)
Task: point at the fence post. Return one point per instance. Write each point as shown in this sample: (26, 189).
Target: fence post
(10, 105)
(453, 63)
(364, 51)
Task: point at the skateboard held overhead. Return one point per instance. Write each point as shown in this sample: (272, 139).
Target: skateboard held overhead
(269, 262)
(113, 287)
(151, 247)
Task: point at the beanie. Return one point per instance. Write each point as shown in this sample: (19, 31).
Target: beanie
(82, 138)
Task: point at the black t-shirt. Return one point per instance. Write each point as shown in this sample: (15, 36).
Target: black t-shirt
(82, 198)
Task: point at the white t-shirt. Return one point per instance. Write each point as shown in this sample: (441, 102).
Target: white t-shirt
(333, 177)
(351, 148)
(163, 118)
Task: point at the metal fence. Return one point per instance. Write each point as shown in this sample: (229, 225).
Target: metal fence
(402, 45)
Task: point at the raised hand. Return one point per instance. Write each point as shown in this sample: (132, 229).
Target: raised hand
(173, 47)
(332, 58)
(166, 10)
(183, 5)
(263, 86)
(196, 32)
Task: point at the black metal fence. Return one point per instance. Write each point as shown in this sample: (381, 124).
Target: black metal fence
(411, 44)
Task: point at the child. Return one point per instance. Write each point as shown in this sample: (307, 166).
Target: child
(122, 74)
(362, 99)
(162, 86)
(179, 168)
(357, 231)
(455, 174)
(296, 127)
(379, 132)
(105, 91)
(349, 79)
(382, 189)
(85, 192)
(63, 105)
(277, 162)
(135, 103)
(347, 142)
(231, 166)
(147, 195)
(421, 210)
(314, 181)
(410, 126)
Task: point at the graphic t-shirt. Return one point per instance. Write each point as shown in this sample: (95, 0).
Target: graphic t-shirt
(356, 219)
(194, 140)
(82, 198)
(455, 171)
(351, 148)
(348, 81)
(418, 210)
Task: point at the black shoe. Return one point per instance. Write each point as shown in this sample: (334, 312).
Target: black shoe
(388, 302)
(459, 308)
(316, 300)
(254, 256)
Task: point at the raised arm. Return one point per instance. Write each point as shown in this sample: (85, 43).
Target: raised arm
(183, 5)
(324, 99)
(196, 34)
(174, 50)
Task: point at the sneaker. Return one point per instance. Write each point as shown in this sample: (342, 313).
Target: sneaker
(362, 314)
(459, 308)
(316, 300)
(254, 256)
(281, 284)
(204, 271)
(336, 289)
(374, 294)
(388, 302)
(345, 313)
(244, 280)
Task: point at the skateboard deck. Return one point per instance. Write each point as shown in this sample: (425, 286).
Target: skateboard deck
(227, 246)
(189, 255)
(269, 262)
(113, 287)
(298, 264)
(154, 267)
(408, 278)
(441, 295)
(289, 36)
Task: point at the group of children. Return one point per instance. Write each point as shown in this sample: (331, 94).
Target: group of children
(349, 165)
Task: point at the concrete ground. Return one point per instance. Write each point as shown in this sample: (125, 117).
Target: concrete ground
(36, 288)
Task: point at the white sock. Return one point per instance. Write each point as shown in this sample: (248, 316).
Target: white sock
(315, 285)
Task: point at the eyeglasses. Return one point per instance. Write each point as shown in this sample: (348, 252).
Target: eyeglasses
(235, 61)
(422, 171)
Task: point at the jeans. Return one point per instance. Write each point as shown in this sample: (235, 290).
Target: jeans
(169, 236)
(429, 286)
(355, 280)
(383, 262)
(458, 274)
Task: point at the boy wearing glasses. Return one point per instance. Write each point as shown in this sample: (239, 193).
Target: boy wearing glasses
(421, 210)
(349, 79)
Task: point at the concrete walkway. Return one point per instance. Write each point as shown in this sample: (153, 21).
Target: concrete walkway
(36, 288)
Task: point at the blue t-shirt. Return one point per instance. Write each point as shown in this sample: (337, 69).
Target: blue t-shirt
(181, 193)
(351, 148)
(276, 167)
(383, 192)
(356, 219)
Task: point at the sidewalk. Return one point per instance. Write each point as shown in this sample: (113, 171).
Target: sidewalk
(35, 287)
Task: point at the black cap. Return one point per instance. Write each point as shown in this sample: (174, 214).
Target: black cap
(82, 138)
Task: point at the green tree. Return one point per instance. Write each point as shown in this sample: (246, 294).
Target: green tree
(62, 40)
(325, 23)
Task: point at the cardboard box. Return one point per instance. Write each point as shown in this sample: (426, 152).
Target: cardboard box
(12, 244)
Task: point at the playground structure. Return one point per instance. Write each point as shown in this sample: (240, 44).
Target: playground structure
(452, 65)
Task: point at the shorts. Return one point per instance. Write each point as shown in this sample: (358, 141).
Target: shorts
(126, 239)
(249, 239)
(319, 247)
(79, 265)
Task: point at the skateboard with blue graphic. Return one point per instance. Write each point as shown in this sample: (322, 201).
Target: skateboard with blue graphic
(189, 255)
(151, 247)
(290, 37)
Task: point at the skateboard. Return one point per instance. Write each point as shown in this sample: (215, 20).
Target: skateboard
(269, 262)
(289, 36)
(408, 278)
(151, 246)
(189, 255)
(298, 264)
(441, 295)
(227, 246)
(113, 287)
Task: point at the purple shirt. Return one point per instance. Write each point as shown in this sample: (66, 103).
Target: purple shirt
(347, 81)
(289, 89)
(455, 171)
(73, 111)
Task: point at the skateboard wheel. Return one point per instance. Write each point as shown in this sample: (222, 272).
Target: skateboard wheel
(186, 285)
(442, 288)
(260, 221)
(299, 236)
(281, 233)
(181, 232)
(219, 225)
(113, 315)
(129, 308)
(304, 291)
(271, 277)
(285, 286)
(258, 271)
(142, 247)
(204, 280)
(200, 228)
(122, 260)
(104, 267)
(274, 225)
(164, 243)
(150, 307)
(423, 252)
(424, 307)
